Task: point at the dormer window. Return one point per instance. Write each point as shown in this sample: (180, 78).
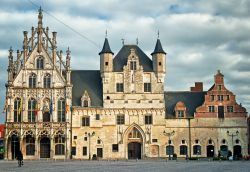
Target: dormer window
(180, 113)
(219, 87)
(85, 100)
(40, 63)
(85, 103)
(132, 65)
(180, 110)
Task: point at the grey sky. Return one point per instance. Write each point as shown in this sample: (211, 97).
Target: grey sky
(199, 36)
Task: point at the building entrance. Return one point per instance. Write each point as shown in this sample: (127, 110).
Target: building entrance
(45, 147)
(134, 150)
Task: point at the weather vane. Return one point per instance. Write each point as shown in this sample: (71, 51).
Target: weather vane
(158, 34)
(123, 41)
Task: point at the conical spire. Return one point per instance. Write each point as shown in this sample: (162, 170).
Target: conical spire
(106, 47)
(158, 48)
(40, 17)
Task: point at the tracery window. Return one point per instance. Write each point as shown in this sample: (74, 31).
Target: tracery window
(59, 145)
(32, 81)
(47, 81)
(61, 110)
(32, 110)
(39, 63)
(17, 110)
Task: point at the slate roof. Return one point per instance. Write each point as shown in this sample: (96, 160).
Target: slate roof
(158, 48)
(120, 59)
(89, 80)
(106, 47)
(192, 100)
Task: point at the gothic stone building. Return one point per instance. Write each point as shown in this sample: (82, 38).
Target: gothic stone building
(118, 112)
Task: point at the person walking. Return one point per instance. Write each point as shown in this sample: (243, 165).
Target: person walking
(20, 159)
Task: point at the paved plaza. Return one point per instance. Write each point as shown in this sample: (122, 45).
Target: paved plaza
(122, 166)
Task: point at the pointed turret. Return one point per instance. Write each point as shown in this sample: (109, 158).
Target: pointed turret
(106, 47)
(158, 48)
(106, 58)
(159, 61)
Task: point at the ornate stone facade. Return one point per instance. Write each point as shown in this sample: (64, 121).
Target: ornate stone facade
(38, 95)
(118, 112)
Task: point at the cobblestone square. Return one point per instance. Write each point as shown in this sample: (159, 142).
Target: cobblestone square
(124, 166)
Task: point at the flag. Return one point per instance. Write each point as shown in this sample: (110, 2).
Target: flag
(5, 106)
(36, 109)
(50, 106)
(67, 107)
(20, 107)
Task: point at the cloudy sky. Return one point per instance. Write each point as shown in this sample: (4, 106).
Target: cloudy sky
(199, 36)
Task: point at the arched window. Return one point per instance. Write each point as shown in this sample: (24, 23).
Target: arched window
(61, 110)
(183, 150)
(197, 150)
(134, 134)
(59, 145)
(39, 62)
(32, 110)
(47, 81)
(32, 81)
(30, 145)
(17, 110)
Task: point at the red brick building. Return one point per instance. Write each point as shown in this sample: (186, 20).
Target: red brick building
(2, 141)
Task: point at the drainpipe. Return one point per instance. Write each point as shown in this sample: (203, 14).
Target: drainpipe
(189, 135)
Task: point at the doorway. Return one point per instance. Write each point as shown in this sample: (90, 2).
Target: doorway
(210, 151)
(134, 150)
(237, 151)
(221, 111)
(99, 153)
(15, 146)
(45, 147)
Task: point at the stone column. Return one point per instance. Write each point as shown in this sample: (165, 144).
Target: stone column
(52, 147)
(36, 148)
(6, 148)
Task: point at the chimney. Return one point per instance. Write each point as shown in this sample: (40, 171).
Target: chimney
(197, 88)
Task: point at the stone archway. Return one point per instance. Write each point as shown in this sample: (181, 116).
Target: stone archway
(210, 150)
(134, 141)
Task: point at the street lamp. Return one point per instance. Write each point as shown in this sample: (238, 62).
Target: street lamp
(168, 135)
(232, 135)
(89, 135)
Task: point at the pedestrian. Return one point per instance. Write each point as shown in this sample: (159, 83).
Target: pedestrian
(19, 158)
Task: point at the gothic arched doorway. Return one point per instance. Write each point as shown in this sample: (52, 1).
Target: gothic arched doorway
(45, 147)
(15, 146)
(210, 151)
(134, 144)
(46, 117)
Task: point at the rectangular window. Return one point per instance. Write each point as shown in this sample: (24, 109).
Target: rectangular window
(221, 111)
(85, 121)
(73, 150)
(219, 87)
(97, 116)
(228, 98)
(75, 137)
(147, 87)
(148, 119)
(220, 97)
(133, 65)
(230, 109)
(154, 140)
(119, 87)
(84, 151)
(120, 119)
(211, 108)
(180, 114)
(212, 97)
(106, 63)
(115, 148)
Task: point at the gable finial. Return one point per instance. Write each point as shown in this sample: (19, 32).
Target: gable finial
(158, 34)
(123, 40)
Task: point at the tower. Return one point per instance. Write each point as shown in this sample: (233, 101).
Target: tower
(159, 61)
(106, 60)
